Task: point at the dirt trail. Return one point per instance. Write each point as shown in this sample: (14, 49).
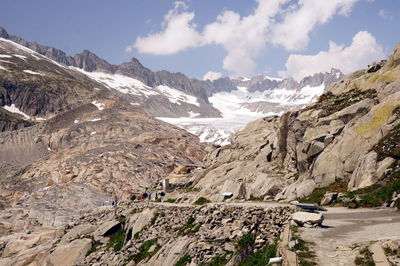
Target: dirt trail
(344, 227)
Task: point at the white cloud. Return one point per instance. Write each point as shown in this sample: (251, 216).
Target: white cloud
(178, 34)
(243, 37)
(293, 32)
(210, 75)
(363, 50)
(385, 14)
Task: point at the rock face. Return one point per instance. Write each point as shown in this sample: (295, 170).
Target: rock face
(70, 254)
(10, 121)
(349, 135)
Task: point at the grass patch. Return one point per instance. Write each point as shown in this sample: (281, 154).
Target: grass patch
(330, 103)
(318, 193)
(260, 257)
(184, 260)
(133, 211)
(117, 240)
(216, 261)
(294, 228)
(143, 252)
(155, 217)
(189, 228)
(191, 189)
(389, 146)
(377, 194)
(201, 201)
(379, 118)
(246, 241)
(170, 200)
(255, 198)
(365, 258)
(121, 219)
(303, 250)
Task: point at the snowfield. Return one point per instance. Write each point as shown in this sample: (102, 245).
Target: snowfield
(235, 116)
(128, 85)
(212, 130)
(32, 72)
(13, 109)
(175, 96)
(120, 83)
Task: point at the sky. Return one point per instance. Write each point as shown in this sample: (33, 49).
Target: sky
(207, 39)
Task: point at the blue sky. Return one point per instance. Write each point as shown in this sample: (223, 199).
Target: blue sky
(246, 37)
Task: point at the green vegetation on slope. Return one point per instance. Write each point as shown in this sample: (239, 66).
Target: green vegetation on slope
(261, 256)
(318, 193)
(330, 103)
(143, 252)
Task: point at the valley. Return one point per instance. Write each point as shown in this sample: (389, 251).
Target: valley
(83, 142)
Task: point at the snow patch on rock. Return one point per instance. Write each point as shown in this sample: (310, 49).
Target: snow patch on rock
(13, 109)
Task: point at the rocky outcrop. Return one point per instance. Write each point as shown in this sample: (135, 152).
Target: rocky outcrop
(70, 254)
(10, 121)
(335, 139)
(85, 158)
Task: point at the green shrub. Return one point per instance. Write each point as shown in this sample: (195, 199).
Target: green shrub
(318, 193)
(117, 240)
(201, 201)
(189, 228)
(365, 259)
(375, 195)
(389, 146)
(256, 198)
(186, 259)
(246, 241)
(143, 252)
(170, 200)
(218, 261)
(260, 257)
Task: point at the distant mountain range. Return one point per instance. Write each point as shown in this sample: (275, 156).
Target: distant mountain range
(90, 62)
(163, 94)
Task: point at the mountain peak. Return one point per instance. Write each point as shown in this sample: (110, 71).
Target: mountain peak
(4, 33)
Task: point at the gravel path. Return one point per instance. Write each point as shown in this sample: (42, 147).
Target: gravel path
(345, 227)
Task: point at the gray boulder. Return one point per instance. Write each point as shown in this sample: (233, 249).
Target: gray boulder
(302, 218)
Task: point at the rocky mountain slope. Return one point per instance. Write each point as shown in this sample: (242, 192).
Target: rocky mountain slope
(66, 137)
(349, 135)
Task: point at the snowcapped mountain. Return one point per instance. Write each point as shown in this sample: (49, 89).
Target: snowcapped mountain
(213, 110)
(245, 104)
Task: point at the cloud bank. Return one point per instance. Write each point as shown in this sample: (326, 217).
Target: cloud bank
(272, 22)
(363, 50)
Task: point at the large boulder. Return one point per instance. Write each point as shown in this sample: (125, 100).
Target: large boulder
(368, 171)
(171, 252)
(365, 173)
(138, 221)
(302, 218)
(328, 198)
(70, 254)
(105, 229)
(77, 232)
